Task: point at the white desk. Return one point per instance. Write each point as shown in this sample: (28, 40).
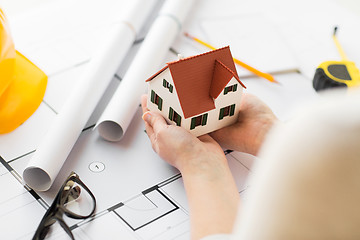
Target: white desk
(136, 184)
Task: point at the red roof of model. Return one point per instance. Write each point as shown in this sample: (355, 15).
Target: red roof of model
(200, 79)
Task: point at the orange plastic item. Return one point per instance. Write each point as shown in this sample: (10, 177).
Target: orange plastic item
(22, 84)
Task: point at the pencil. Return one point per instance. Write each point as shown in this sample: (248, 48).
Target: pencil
(338, 46)
(267, 76)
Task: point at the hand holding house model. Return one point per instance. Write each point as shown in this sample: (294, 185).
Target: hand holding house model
(201, 93)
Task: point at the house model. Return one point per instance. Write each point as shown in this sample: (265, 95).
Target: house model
(201, 93)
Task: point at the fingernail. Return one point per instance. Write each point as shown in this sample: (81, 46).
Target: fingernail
(147, 117)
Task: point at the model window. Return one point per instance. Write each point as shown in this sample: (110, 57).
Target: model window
(227, 111)
(231, 88)
(199, 120)
(156, 100)
(174, 116)
(167, 85)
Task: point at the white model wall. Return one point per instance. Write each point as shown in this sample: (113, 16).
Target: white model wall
(213, 122)
(169, 99)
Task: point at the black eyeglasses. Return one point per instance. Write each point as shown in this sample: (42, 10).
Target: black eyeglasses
(69, 202)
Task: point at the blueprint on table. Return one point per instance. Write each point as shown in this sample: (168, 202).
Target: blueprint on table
(139, 196)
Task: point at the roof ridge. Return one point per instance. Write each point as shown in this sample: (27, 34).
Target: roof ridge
(196, 56)
(231, 71)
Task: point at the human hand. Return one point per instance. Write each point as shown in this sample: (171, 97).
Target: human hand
(205, 171)
(248, 133)
(179, 147)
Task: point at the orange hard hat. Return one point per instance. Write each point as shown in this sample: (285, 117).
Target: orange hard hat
(22, 84)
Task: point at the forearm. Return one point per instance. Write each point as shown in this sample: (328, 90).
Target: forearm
(213, 197)
(211, 190)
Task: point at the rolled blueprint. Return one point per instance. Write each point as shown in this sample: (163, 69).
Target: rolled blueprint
(62, 135)
(122, 107)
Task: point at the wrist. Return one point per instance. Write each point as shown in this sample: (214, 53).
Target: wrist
(212, 195)
(207, 167)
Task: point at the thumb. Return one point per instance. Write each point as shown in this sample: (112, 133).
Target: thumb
(156, 121)
(206, 138)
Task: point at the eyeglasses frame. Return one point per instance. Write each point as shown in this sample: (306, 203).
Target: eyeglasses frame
(57, 209)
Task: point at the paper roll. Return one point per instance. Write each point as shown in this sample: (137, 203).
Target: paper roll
(62, 135)
(118, 114)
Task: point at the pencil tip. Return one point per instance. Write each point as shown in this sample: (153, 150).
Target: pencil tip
(335, 30)
(270, 77)
(187, 35)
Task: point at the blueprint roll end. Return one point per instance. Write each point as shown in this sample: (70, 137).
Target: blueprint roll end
(110, 131)
(37, 178)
